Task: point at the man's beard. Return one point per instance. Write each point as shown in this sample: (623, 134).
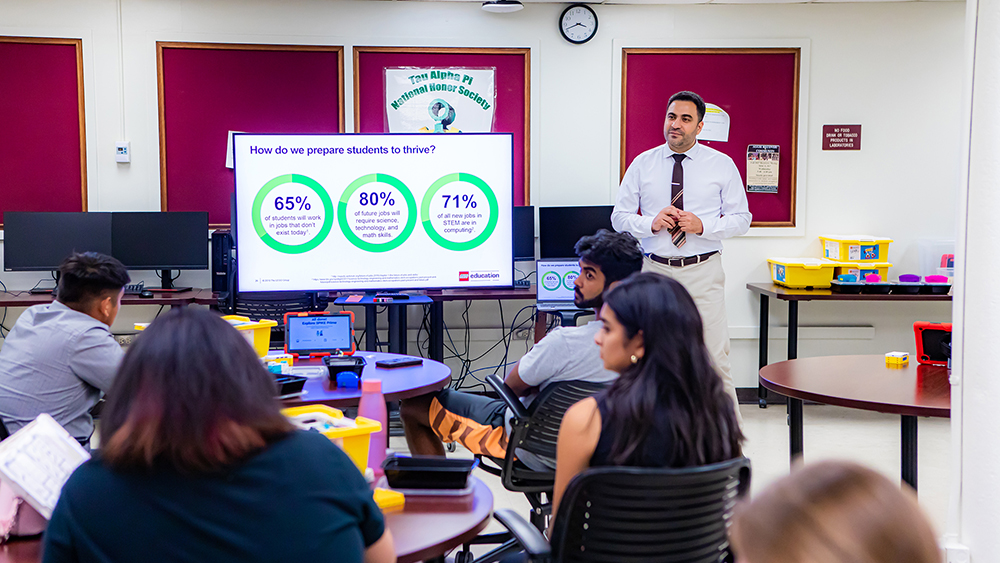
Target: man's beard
(592, 303)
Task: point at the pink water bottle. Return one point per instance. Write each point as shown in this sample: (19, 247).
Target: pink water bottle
(372, 406)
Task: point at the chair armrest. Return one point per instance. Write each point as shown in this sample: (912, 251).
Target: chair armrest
(533, 542)
(508, 396)
(490, 467)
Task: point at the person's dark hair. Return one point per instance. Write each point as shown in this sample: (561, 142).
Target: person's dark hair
(191, 395)
(90, 275)
(618, 255)
(688, 96)
(675, 375)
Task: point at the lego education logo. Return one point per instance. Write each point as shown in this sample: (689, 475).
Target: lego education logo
(485, 275)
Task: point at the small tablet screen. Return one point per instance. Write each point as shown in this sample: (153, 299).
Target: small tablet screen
(319, 333)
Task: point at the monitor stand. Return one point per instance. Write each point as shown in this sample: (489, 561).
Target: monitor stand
(167, 284)
(40, 289)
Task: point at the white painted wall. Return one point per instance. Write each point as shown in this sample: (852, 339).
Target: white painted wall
(895, 68)
(975, 512)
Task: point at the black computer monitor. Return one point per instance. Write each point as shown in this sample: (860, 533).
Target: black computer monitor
(524, 232)
(560, 227)
(40, 241)
(168, 240)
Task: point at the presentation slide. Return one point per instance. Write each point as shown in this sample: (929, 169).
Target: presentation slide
(368, 212)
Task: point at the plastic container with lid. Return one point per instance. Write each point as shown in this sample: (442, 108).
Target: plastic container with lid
(801, 273)
(864, 248)
(353, 436)
(257, 333)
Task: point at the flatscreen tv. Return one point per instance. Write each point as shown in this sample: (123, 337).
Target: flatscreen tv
(560, 227)
(160, 240)
(524, 233)
(373, 212)
(40, 241)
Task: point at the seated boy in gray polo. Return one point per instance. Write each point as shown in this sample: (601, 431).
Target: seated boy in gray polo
(60, 357)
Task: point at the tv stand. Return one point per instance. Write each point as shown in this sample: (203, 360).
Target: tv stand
(167, 284)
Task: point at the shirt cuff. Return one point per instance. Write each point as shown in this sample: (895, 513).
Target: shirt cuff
(647, 226)
(709, 226)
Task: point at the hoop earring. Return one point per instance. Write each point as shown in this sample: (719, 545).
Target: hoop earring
(635, 359)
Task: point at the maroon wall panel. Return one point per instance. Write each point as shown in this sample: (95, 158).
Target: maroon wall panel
(41, 146)
(511, 103)
(207, 92)
(758, 90)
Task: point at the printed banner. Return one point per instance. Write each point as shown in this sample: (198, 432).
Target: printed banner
(440, 100)
(762, 169)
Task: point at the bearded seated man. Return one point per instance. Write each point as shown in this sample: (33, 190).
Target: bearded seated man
(480, 423)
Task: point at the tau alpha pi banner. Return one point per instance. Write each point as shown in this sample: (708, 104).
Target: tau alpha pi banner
(440, 100)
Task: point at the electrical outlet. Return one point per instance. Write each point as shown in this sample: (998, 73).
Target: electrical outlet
(524, 333)
(124, 340)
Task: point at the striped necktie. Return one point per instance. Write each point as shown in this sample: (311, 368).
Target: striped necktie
(677, 236)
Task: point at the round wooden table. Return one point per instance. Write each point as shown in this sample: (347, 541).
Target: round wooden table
(397, 383)
(424, 530)
(862, 382)
(428, 530)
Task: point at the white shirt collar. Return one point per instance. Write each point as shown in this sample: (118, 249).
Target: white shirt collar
(691, 153)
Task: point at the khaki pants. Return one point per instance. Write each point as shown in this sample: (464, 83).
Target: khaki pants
(706, 282)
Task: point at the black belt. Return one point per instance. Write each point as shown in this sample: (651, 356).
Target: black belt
(680, 261)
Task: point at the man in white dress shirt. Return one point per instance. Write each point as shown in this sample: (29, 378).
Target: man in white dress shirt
(680, 200)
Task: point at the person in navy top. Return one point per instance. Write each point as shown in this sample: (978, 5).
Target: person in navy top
(197, 463)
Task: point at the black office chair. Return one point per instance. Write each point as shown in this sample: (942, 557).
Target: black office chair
(274, 305)
(534, 429)
(635, 514)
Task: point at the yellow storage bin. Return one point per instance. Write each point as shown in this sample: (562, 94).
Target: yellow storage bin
(862, 269)
(850, 248)
(801, 273)
(258, 333)
(354, 438)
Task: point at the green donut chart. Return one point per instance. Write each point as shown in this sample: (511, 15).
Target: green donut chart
(545, 279)
(411, 218)
(567, 282)
(279, 181)
(491, 199)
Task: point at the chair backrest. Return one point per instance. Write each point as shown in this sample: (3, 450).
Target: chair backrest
(633, 514)
(541, 430)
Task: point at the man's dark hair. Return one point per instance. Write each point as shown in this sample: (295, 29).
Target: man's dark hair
(688, 96)
(617, 254)
(89, 275)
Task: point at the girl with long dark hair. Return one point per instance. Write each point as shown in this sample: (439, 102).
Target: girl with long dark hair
(668, 407)
(198, 464)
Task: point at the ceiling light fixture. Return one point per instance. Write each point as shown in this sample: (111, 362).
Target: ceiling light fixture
(502, 6)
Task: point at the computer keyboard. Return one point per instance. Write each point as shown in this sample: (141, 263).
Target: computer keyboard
(134, 288)
(392, 295)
